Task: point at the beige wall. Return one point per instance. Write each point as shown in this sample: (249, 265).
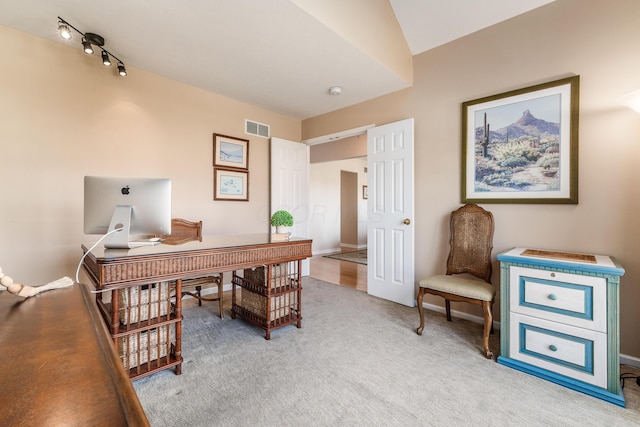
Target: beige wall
(594, 39)
(63, 116)
(348, 148)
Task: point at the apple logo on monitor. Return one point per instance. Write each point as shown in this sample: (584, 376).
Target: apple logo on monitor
(125, 190)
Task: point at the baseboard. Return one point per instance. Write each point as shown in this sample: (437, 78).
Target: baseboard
(351, 246)
(460, 314)
(348, 246)
(630, 360)
(326, 251)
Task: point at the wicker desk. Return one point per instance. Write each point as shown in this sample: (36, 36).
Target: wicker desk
(117, 270)
(58, 366)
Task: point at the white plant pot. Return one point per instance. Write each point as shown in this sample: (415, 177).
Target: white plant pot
(282, 229)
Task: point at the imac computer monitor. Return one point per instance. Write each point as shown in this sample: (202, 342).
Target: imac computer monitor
(139, 207)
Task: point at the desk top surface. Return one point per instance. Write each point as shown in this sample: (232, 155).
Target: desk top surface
(58, 366)
(217, 242)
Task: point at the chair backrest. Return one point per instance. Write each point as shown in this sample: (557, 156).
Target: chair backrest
(183, 231)
(471, 242)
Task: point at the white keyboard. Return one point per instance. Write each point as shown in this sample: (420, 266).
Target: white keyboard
(140, 243)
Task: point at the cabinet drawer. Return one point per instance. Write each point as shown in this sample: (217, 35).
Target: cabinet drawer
(572, 299)
(566, 350)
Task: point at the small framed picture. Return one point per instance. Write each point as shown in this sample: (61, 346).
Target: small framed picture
(365, 192)
(230, 184)
(230, 152)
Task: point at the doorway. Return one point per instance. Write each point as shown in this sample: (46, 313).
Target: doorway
(348, 209)
(390, 243)
(338, 220)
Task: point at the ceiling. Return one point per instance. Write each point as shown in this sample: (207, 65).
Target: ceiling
(268, 53)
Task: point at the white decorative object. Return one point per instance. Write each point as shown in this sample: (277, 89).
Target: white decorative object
(26, 291)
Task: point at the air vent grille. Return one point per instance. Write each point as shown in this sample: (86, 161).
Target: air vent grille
(255, 128)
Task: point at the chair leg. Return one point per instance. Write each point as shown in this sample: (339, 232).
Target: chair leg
(491, 332)
(220, 296)
(198, 289)
(421, 311)
(488, 321)
(447, 305)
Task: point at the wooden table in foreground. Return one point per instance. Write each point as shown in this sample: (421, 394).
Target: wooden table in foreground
(58, 366)
(122, 270)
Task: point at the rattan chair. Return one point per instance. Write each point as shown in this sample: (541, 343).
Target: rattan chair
(183, 231)
(468, 277)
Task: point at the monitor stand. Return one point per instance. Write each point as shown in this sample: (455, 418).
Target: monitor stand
(121, 219)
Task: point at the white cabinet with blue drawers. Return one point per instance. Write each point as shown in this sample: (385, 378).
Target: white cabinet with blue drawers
(560, 321)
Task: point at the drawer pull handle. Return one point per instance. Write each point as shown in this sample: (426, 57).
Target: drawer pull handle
(553, 297)
(553, 274)
(553, 348)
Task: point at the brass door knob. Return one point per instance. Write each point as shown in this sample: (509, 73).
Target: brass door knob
(406, 221)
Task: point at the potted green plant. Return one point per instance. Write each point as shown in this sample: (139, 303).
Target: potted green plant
(282, 220)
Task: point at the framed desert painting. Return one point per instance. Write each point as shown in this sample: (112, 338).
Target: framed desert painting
(522, 146)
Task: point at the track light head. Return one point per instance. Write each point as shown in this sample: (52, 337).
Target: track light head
(121, 70)
(65, 32)
(105, 58)
(88, 49)
(91, 39)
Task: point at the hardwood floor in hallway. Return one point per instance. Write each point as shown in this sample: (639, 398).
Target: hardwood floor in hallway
(344, 273)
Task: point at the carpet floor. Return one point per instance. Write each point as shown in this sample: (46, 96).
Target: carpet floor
(357, 361)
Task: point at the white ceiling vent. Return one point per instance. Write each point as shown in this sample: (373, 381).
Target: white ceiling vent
(255, 128)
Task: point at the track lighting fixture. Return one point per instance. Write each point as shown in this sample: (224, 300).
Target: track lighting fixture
(89, 40)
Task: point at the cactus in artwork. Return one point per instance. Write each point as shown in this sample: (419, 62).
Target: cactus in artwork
(485, 138)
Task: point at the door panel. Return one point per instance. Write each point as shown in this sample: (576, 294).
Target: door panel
(290, 185)
(391, 230)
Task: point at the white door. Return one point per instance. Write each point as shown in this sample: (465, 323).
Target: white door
(290, 185)
(390, 240)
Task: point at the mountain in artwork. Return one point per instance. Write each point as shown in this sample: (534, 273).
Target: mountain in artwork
(526, 125)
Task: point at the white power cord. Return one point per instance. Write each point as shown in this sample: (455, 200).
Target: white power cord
(89, 251)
